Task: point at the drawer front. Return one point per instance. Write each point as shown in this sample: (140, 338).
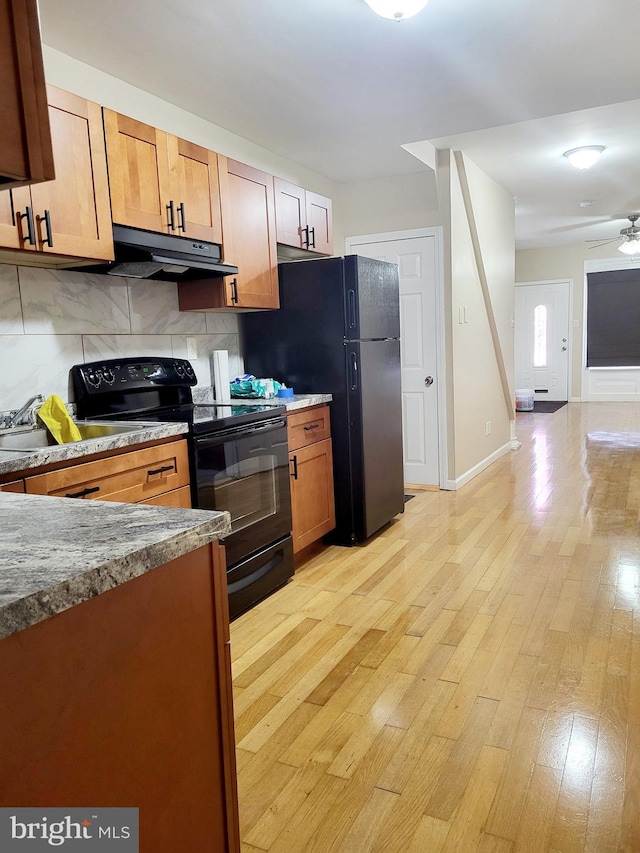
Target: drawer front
(127, 477)
(180, 498)
(13, 486)
(308, 426)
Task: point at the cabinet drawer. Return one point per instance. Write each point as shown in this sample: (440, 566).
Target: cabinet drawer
(128, 477)
(180, 498)
(13, 486)
(307, 426)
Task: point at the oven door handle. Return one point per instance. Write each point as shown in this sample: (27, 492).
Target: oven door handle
(247, 429)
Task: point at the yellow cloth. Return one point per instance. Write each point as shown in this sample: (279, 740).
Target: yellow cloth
(54, 414)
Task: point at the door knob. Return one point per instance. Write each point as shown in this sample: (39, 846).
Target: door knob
(564, 349)
(428, 381)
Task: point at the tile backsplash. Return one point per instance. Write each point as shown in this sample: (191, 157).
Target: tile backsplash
(52, 319)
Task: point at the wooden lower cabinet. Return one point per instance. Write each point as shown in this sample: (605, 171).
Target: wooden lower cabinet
(311, 470)
(179, 498)
(13, 486)
(130, 477)
(125, 700)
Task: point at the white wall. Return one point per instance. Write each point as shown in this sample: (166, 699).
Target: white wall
(395, 203)
(475, 394)
(568, 262)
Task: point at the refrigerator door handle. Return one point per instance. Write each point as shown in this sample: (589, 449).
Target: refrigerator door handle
(351, 308)
(354, 371)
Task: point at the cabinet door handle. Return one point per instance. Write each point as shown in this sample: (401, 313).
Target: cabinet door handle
(181, 217)
(234, 290)
(171, 219)
(161, 470)
(84, 492)
(311, 242)
(311, 427)
(305, 238)
(294, 473)
(31, 229)
(48, 240)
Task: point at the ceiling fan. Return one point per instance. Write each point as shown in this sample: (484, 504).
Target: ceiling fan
(630, 237)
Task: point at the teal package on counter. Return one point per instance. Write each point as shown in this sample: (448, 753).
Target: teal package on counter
(248, 386)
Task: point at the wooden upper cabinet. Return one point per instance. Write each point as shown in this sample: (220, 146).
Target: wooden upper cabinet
(249, 235)
(10, 232)
(70, 216)
(319, 223)
(160, 182)
(25, 154)
(195, 189)
(291, 215)
(304, 219)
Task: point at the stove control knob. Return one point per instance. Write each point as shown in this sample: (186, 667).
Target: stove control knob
(108, 376)
(93, 378)
(179, 368)
(189, 370)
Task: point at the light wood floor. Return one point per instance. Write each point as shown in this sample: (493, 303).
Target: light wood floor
(470, 679)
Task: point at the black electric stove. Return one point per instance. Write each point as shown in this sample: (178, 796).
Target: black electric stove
(238, 458)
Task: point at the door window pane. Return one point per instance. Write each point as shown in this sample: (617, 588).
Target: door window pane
(540, 336)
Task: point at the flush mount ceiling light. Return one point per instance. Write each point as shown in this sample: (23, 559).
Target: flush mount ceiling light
(397, 10)
(585, 157)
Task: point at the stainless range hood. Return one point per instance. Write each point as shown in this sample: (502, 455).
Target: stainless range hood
(148, 254)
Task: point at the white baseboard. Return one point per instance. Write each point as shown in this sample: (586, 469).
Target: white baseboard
(453, 485)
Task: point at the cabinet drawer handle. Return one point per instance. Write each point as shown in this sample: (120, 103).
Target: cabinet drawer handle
(31, 230)
(90, 491)
(171, 221)
(182, 220)
(234, 290)
(311, 427)
(48, 240)
(161, 470)
(294, 473)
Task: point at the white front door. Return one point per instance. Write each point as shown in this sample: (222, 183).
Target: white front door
(542, 339)
(418, 260)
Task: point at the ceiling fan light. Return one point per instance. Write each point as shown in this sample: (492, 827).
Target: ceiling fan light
(397, 10)
(585, 157)
(631, 245)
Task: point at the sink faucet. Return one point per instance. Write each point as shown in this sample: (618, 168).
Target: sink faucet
(18, 417)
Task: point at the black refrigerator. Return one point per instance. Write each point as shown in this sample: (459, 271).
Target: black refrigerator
(338, 332)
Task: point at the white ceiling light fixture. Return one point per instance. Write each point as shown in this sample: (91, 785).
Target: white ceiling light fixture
(397, 10)
(631, 245)
(585, 157)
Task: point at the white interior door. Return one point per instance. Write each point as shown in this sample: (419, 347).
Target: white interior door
(542, 339)
(417, 259)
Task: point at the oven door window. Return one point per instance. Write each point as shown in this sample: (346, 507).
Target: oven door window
(246, 473)
(246, 489)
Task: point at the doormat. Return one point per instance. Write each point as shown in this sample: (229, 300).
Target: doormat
(548, 406)
(408, 497)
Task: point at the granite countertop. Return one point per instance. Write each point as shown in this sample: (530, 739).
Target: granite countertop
(21, 460)
(56, 553)
(298, 401)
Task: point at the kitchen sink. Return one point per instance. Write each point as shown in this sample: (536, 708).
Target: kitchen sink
(33, 439)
